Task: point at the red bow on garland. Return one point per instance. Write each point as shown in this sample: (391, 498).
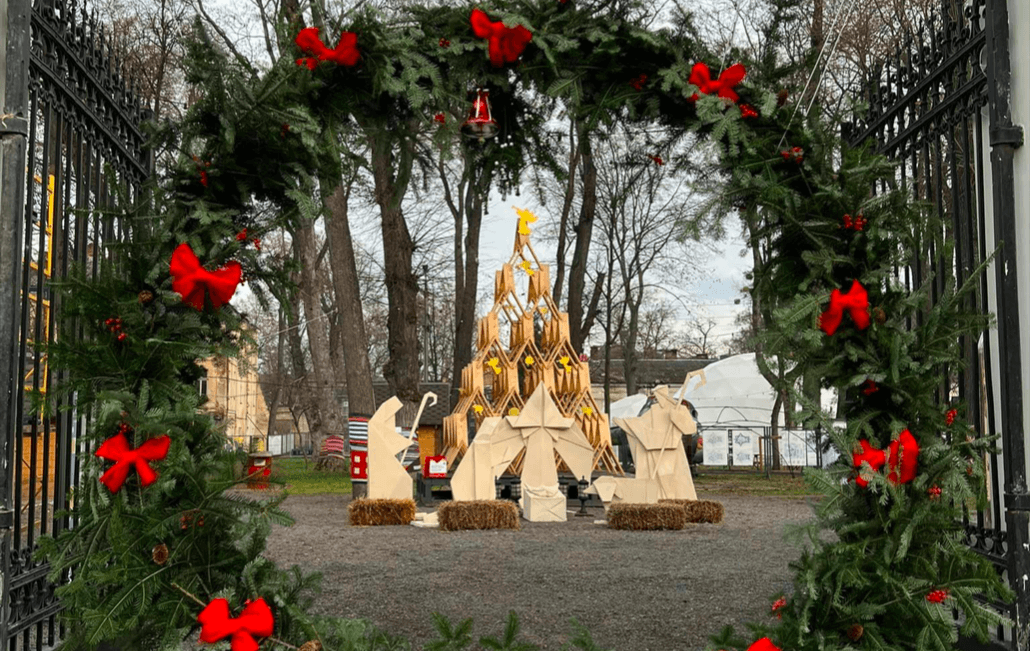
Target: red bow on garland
(190, 279)
(904, 452)
(345, 53)
(216, 624)
(117, 449)
(764, 644)
(856, 302)
(506, 43)
(701, 77)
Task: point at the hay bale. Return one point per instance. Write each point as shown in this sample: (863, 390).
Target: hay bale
(646, 517)
(699, 510)
(374, 513)
(478, 514)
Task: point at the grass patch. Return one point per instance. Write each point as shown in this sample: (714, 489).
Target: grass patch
(751, 483)
(308, 481)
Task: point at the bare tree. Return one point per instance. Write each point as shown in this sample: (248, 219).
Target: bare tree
(698, 340)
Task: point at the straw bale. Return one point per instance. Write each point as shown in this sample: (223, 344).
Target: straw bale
(478, 514)
(646, 517)
(373, 513)
(699, 510)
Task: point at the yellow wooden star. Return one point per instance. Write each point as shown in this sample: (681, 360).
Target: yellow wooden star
(588, 411)
(494, 363)
(529, 360)
(477, 408)
(527, 266)
(525, 219)
(514, 411)
(564, 361)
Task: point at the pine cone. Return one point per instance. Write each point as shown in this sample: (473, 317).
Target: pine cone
(160, 554)
(855, 632)
(880, 315)
(145, 296)
(781, 97)
(313, 645)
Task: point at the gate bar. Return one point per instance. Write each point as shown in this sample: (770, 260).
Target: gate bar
(1005, 138)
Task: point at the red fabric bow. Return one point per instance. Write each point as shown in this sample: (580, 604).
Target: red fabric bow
(216, 624)
(904, 453)
(345, 53)
(506, 43)
(190, 279)
(764, 644)
(856, 302)
(701, 77)
(117, 449)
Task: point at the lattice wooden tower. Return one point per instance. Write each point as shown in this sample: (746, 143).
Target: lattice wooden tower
(538, 351)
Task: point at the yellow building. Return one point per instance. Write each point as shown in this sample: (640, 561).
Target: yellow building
(234, 398)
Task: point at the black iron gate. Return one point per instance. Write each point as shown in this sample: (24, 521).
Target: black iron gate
(939, 106)
(71, 150)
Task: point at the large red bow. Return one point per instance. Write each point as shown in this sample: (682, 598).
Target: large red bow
(117, 449)
(856, 302)
(506, 43)
(904, 453)
(345, 53)
(216, 624)
(190, 279)
(764, 644)
(701, 77)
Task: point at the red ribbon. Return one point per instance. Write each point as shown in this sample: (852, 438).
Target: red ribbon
(701, 77)
(506, 43)
(191, 280)
(117, 449)
(764, 644)
(216, 624)
(904, 456)
(856, 302)
(345, 53)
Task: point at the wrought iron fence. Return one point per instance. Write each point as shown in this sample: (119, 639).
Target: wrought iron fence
(72, 150)
(937, 107)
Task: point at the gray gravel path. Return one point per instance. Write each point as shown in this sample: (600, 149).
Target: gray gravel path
(634, 591)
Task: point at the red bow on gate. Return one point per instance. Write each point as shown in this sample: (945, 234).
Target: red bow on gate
(190, 279)
(903, 452)
(216, 624)
(701, 77)
(117, 449)
(856, 302)
(506, 43)
(345, 54)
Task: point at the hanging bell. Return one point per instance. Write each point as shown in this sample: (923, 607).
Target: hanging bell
(480, 123)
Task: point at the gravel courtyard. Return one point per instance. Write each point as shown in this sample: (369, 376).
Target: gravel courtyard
(634, 591)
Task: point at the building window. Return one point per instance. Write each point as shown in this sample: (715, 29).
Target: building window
(202, 384)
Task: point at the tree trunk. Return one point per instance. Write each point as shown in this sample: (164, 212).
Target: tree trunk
(629, 347)
(350, 317)
(327, 417)
(273, 405)
(391, 181)
(584, 230)
(563, 230)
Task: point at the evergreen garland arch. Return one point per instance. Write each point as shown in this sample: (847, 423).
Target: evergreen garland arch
(897, 564)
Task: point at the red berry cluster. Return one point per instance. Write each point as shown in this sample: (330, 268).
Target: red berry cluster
(201, 168)
(242, 236)
(778, 605)
(115, 325)
(444, 43)
(657, 160)
(441, 118)
(935, 492)
(747, 111)
(284, 130)
(949, 418)
(638, 83)
(855, 223)
(796, 154)
(191, 518)
(123, 429)
(937, 596)
(869, 388)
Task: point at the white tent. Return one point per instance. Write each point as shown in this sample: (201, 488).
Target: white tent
(628, 407)
(734, 395)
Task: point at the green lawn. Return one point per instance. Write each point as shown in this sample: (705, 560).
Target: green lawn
(308, 481)
(752, 483)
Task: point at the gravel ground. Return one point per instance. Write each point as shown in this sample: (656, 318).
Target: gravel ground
(634, 591)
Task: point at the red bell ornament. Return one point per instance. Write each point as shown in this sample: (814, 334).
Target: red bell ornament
(480, 123)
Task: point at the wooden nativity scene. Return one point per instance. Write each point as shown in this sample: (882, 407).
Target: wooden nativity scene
(525, 413)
